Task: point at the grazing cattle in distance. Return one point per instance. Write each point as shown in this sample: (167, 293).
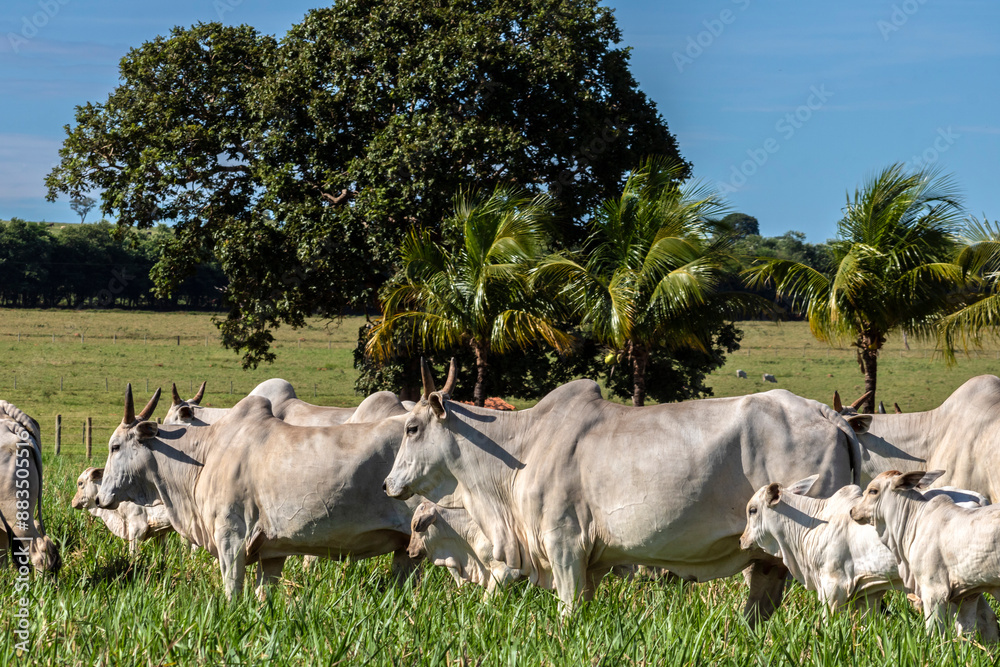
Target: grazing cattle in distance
(21, 492)
(769, 378)
(945, 552)
(448, 537)
(960, 436)
(830, 553)
(576, 485)
(251, 487)
(740, 373)
(130, 522)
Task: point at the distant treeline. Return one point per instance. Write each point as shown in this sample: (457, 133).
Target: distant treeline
(54, 265)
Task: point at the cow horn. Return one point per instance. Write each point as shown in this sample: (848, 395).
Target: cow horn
(147, 411)
(428, 379)
(837, 405)
(857, 404)
(896, 408)
(881, 408)
(175, 397)
(449, 384)
(129, 406)
(201, 393)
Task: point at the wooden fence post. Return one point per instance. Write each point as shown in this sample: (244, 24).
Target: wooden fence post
(178, 340)
(89, 436)
(58, 434)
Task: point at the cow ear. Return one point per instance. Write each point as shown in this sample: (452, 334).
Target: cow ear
(422, 523)
(437, 401)
(147, 430)
(860, 423)
(918, 479)
(801, 487)
(97, 475)
(185, 412)
(773, 494)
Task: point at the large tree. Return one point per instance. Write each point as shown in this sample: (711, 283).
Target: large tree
(651, 274)
(303, 165)
(893, 267)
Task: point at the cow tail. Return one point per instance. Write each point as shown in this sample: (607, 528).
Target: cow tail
(10, 540)
(853, 451)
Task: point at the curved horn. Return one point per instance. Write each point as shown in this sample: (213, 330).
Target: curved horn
(881, 408)
(427, 377)
(147, 411)
(837, 405)
(857, 404)
(896, 408)
(449, 384)
(175, 397)
(201, 393)
(129, 406)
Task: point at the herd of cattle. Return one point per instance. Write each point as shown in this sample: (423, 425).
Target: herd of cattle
(560, 494)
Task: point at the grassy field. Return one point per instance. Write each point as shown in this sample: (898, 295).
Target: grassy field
(166, 607)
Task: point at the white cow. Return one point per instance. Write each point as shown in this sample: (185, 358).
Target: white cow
(252, 487)
(946, 553)
(21, 492)
(576, 485)
(828, 552)
(132, 523)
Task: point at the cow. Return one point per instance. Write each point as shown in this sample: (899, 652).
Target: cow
(828, 552)
(448, 537)
(251, 487)
(130, 522)
(769, 378)
(945, 552)
(576, 485)
(961, 436)
(740, 373)
(21, 492)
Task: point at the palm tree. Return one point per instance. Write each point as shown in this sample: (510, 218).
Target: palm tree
(893, 268)
(476, 293)
(977, 308)
(651, 271)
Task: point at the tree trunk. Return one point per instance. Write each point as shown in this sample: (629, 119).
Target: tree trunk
(869, 345)
(640, 357)
(410, 391)
(482, 364)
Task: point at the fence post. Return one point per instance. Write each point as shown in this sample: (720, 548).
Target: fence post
(105, 384)
(60, 383)
(143, 339)
(178, 340)
(89, 436)
(230, 386)
(58, 434)
(53, 338)
(82, 336)
(147, 385)
(15, 380)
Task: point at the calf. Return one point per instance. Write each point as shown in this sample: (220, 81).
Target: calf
(769, 378)
(740, 373)
(946, 553)
(129, 521)
(449, 537)
(831, 554)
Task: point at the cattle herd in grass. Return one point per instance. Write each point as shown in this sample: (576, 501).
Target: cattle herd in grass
(560, 494)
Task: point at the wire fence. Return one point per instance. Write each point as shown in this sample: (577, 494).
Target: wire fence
(116, 338)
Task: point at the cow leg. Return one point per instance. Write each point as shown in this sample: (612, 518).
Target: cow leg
(937, 611)
(568, 574)
(268, 574)
(307, 561)
(594, 577)
(232, 559)
(767, 587)
(402, 566)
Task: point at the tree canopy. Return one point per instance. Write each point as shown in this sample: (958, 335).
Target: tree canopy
(302, 165)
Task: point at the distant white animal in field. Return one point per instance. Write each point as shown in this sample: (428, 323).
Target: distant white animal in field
(740, 373)
(769, 378)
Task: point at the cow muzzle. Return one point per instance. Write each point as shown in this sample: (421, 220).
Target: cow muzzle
(394, 490)
(860, 516)
(106, 502)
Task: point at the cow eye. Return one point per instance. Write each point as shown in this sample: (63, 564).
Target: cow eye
(752, 511)
(872, 492)
(115, 448)
(411, 429)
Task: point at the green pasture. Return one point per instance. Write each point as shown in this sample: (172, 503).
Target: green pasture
(166, 607)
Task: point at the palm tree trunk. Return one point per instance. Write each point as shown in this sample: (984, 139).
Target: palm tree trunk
(482, 366)
(640, 357)
(869, 345)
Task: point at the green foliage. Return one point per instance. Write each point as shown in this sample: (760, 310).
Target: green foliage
(303, 165)
(742, 224)
(893, 268)
(790, 246)
(474, 293)
(651, 270)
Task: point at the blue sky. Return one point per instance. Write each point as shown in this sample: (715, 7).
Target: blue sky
(785, 106)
